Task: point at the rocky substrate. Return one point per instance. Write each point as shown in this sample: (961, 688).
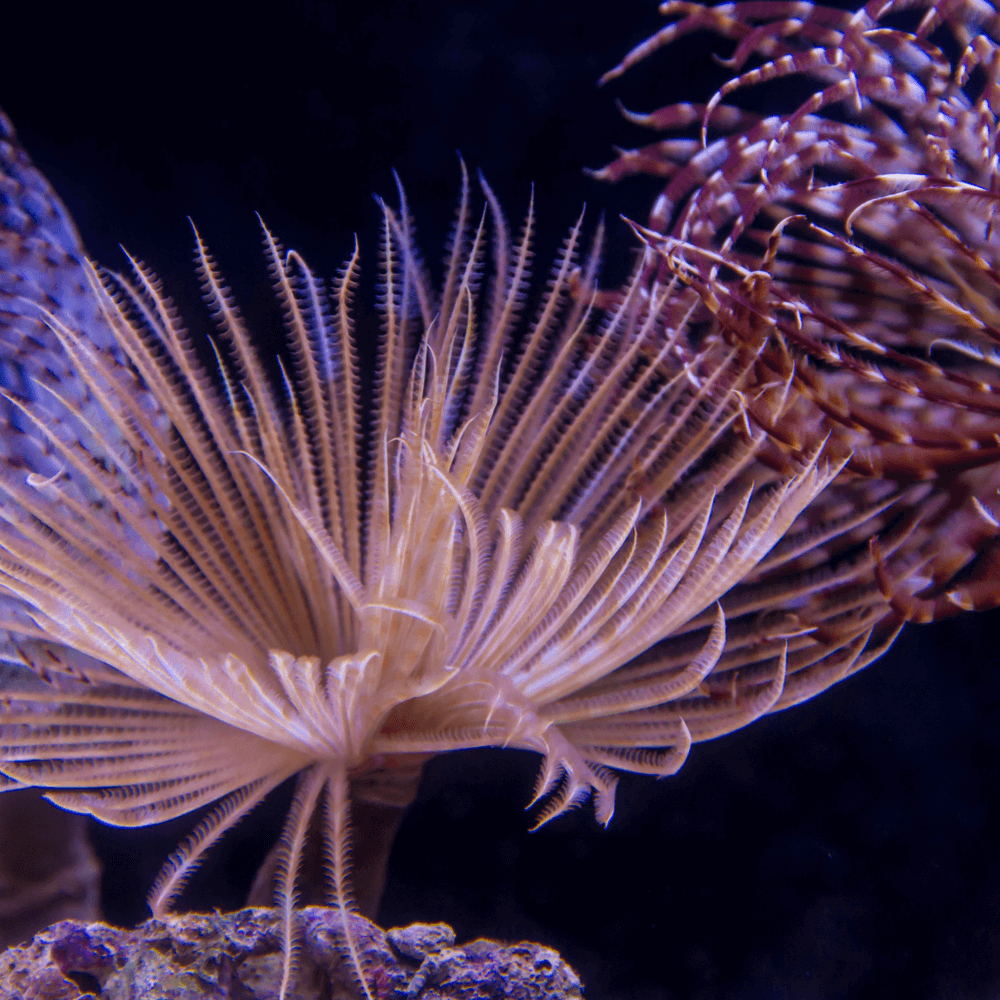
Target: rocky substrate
(238, 956)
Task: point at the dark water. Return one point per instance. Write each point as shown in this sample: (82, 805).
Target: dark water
(849, 847)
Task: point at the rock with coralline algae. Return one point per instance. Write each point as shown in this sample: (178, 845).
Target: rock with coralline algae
(238, 956)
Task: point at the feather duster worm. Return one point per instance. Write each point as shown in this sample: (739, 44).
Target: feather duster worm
(852, 237)
(253, 582)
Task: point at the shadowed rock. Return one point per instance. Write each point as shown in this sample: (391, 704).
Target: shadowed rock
(238, 956)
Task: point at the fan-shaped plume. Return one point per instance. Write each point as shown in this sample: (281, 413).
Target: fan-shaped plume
(852, 238)
(540, 505)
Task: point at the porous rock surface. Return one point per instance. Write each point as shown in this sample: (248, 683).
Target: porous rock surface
(238, 956)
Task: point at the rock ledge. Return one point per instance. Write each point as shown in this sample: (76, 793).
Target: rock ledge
(237, 956)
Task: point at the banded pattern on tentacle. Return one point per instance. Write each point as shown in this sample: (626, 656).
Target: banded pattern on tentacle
(850, 241)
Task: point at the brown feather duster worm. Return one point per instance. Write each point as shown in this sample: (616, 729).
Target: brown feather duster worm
(852, 238)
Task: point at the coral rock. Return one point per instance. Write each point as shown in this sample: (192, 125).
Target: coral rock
(238, 956)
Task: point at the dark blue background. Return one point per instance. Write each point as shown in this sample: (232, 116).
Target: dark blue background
(849, 847)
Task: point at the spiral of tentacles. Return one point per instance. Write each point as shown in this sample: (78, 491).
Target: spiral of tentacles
(851, 240)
